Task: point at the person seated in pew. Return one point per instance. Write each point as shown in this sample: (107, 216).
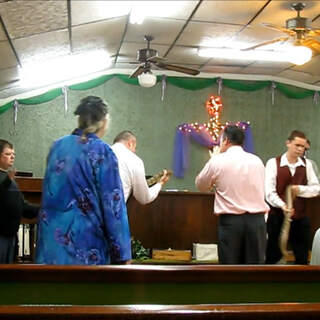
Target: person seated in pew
(132, 170)
(238, 178)
(83, 218)
(12, 204)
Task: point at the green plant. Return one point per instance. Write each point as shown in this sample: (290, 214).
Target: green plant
(138, 251)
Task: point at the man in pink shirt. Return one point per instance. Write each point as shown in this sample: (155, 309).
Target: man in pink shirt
(238, 179)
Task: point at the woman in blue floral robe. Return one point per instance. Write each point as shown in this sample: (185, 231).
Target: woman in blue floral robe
(83, 218)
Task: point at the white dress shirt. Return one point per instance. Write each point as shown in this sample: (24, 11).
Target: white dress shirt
(132, 174)
(311, 189)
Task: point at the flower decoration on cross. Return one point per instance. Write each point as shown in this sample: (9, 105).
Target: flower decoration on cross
(213, 126)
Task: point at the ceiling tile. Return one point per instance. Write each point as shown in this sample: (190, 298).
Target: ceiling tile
(280, 65)
(298, 76)
(90, 11)
(277, 12)
(2, 35)
(164, 31)
(185, 55)
(227, 62)
(258, 34)
(40, 31)
(221, 69)
(169, 9)
(260, 70)
(124, 65)
(9, 76)
(24, 18)
(8, 58)
(128, 52)
(311, 67)
(105, 34)
(42, 46)
(236, 12)
(208, 34)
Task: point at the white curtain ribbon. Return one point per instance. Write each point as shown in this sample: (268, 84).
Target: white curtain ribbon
(15, 112)
(220, 84)
(316, 97)
(273, 92)
(163, 86)
(65, 94)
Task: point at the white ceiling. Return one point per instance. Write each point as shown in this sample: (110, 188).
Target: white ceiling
(42, 30)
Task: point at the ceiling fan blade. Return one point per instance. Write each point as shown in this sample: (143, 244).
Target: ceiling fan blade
(278, 28)
(314, 33)
(176, 68)
(266, 43)
(156, 59)
(312, 44)
(137, 71)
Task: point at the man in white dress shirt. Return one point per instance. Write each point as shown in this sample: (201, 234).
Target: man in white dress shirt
(291, 168)
(132, 172)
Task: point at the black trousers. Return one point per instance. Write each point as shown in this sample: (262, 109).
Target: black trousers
(241, 238)
(299, 236)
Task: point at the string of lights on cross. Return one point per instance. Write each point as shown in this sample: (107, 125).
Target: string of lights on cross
(213, 126)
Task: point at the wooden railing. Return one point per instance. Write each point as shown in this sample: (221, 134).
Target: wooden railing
(174, 220)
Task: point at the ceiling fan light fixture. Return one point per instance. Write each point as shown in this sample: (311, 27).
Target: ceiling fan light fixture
(300, 55)
(147, 79)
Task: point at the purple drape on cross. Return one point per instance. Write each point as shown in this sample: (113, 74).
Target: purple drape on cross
(182, 144)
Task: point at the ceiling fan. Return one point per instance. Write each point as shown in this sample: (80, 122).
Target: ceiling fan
(148, 58)
(298, 29)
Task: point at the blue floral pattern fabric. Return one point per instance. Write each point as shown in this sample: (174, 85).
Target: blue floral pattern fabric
(83, 218)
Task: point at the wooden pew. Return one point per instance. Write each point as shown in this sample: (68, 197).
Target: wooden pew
(159, 292)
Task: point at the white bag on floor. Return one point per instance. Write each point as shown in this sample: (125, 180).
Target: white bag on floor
(205, 251)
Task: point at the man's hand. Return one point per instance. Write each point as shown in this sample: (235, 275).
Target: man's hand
(215, 151)
(294, 191)
(165, 178)
(11, 173)
(286, 210)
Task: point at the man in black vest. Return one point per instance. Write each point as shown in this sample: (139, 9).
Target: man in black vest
(290, 169)
(12, 205)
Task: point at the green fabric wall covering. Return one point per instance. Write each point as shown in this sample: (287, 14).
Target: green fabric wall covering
(154, 120)
(43, 98)
(181, 82)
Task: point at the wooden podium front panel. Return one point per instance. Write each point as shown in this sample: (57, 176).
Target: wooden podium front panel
(174, 220)
(31, 188)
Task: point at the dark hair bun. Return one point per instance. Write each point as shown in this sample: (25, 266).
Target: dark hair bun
(91, 109)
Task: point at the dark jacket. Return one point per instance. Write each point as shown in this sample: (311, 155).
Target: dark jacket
(13, 206)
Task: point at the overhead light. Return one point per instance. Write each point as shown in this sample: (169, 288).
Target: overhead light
(300, 55)
(147, 79)
(142, 9)
(137, 16)
(63, 68)
(296, 55)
